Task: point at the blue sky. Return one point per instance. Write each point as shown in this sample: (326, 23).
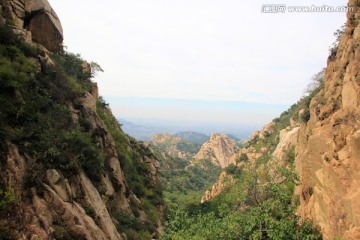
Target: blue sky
(200, 60)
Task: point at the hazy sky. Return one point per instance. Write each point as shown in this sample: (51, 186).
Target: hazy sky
(235, 63)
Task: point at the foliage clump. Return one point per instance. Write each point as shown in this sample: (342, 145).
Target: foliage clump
(250, 209)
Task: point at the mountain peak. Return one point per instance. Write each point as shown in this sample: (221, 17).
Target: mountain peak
(220, 149)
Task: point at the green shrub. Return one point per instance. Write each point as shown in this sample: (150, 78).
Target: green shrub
(89, 210)
(62, 233)
(6, 230)
(338, 35)
(305, 116)
(7, 198)
(125, 221)
(290, 155)
(233, 170)
(8, 38)
(243, 158)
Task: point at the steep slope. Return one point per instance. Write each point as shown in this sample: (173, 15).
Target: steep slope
(219, 150)
(329, 144)
(67, 169)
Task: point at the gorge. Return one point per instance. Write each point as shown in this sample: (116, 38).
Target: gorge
(68, 171)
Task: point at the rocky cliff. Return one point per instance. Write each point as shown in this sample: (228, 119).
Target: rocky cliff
(219, 150)
(329, 144)
(320, 137)
(67, 169)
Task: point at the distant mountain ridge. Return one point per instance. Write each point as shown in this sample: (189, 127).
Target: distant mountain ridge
(175, 146)
(144, 129)
(140, 132)
(193, 136)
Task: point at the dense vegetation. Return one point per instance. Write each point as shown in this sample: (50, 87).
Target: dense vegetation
(185, 187)
(260, 203)
(184, 183)
(36, 99)
(246, 210)
(34, 115)
(137, 173)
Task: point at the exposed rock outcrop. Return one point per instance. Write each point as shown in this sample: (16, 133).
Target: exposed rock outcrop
(248, 157)
(66, 200)
(36, 19)
(288, 138)
(218, 187)
(329, 145)
(220, 149)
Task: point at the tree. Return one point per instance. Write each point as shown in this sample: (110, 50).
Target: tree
(95, 67)
(338, 35)
(317, 82)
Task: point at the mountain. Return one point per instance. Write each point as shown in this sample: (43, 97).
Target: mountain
(140, 132)
(174, 146)
(329, 143)
(219, 150)
(298, 178)
(194, 137)
(67, 170)
(183, 181)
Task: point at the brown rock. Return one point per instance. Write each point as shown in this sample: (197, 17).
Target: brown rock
(328, 151)
(220, 150)
(47, 31)
(39, 18)
(218, 187)
(288, 138)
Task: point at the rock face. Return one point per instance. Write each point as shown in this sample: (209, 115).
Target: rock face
(219, 150)
(37, 19)
(329, 145)
(66, 200)
(218, 187)
(288, 138)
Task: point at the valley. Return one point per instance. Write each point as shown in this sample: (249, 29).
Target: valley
(70, 168)
(188, 168)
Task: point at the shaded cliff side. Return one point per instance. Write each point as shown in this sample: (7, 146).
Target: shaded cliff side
(67, 169)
